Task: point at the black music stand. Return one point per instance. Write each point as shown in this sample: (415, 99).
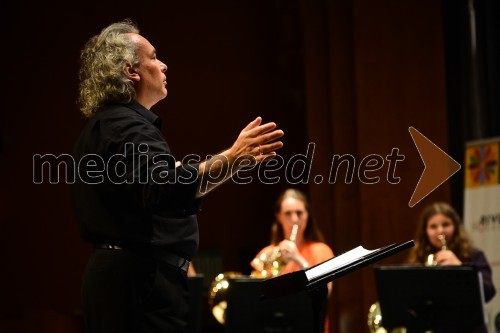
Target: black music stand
(247, 313)
(314, 280)
(430, 298)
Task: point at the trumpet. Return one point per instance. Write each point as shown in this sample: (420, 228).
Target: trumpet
(271, 265)
(431, 258)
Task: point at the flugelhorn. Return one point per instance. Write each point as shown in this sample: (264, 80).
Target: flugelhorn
(431, 258)
(271, 265)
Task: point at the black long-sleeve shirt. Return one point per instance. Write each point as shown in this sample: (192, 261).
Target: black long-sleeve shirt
(128, 191)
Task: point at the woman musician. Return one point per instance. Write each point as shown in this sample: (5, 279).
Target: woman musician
(440, 239)
(296, 242)
(295, 234)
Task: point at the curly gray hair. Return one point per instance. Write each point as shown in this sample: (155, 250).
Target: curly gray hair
(102, 77)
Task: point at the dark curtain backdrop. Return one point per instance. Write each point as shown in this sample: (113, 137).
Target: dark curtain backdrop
(472, 38)
(349, 77)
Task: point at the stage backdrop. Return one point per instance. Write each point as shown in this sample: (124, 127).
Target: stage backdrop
(482, 210)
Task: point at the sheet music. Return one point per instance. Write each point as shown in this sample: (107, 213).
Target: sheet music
(336, 262)
(329, 270)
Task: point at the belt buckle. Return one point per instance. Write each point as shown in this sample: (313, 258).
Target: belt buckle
(108, 247)
(184, 264)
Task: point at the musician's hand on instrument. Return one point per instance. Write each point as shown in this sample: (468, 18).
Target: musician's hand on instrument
(447, 258)
(288, 249)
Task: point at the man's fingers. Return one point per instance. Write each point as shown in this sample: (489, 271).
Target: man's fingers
(253, 124)
(259, 129)
(268, 151)
(270, 147)
(260, 139)
(267, 142)
(261, 158)
(268, 137)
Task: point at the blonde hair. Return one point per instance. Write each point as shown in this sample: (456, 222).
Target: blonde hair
(102, 77)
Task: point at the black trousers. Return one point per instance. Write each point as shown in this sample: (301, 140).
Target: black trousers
(125, 291)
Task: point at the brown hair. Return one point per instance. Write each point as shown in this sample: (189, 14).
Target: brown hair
(312, 233)
(459, 243)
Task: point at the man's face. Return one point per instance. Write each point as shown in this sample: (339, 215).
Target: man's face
(152, 85)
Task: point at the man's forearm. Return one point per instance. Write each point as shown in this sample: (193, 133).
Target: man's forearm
(255, 143)
(218, 169)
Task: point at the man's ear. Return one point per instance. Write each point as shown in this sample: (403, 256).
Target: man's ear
(131, 73)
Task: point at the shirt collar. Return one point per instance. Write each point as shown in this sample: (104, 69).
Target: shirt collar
(150, 116)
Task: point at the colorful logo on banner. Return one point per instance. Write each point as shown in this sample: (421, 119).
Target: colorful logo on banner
(482, 165)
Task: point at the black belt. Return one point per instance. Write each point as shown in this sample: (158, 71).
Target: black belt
(167, 257)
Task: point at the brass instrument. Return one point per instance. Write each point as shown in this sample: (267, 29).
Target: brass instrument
(271, 265)
(375, 321)
(431, 258)
(217, 295)
(267, 266)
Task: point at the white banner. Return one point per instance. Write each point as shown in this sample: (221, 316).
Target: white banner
(482, 211)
